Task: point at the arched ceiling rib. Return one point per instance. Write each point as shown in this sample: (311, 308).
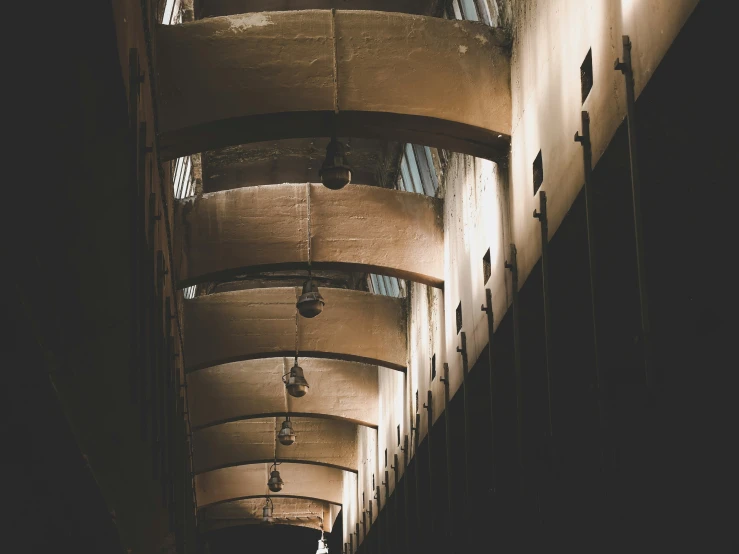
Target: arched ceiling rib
(260, 323)
(345, 391)
(268, 76)
(302, 480)
(295, 161)
(358, 228)
(301, 512)
(319, 441)
(214, 8)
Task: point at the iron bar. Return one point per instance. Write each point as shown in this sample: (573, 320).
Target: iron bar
(430, 422)
(465, 406)
(449, 472)
(541, 215)
(512, 265)
(625, 67)
(419, 528)
(488, 309)
(587, 155)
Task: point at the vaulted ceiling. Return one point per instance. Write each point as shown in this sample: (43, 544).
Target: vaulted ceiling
(275, 80)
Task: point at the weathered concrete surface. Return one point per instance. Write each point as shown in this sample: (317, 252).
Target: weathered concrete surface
(321, 441)
(545, 71)
(296, 161)
(266, 228)
(267, 76)
(299, 512)
(260, 323)
(215, 8)
(231, 483)
(243, 390)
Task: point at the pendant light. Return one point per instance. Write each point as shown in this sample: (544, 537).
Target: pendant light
(267, 511)
(275, 481)
(310, 303)
(322, 545)
(294, 379)
(335, 173)
(286, 436)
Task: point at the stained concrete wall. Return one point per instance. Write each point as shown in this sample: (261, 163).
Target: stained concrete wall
(545, 81)
(261, 323)
(267, 227)
(338, 390)
(488, 206)
(279, 70)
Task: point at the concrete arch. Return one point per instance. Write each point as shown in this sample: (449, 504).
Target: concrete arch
(261, 323)
(293, 161)
(359, 228)
(215, 8)
(245, 481)
(288, 510)
(275, 75)
(318, 441)
(339, 390)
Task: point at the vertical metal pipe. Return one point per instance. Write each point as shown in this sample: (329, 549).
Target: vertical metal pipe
(396, 538)
(419, 527)
(430, 423)
(406, 487)
(512, 265)
(488, 309)
(465, 406)
(388, 513)
(449, 471)
(587, 156)
(541, 215)
(626, 68)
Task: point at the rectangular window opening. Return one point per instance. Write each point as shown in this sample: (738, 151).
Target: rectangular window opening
(459, 317)
(487, 268)
(538, 172)
(433, 367)
(398, 434)
(386, 457)
(586, 75)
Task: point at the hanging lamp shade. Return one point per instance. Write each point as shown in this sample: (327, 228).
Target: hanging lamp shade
(310, 303)
(295, 381)
(275, 481)
(267, 511)
(335, 173)
(286, 436)
(322, 546)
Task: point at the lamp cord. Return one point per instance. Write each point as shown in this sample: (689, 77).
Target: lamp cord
(296, 336)
(309, 228)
